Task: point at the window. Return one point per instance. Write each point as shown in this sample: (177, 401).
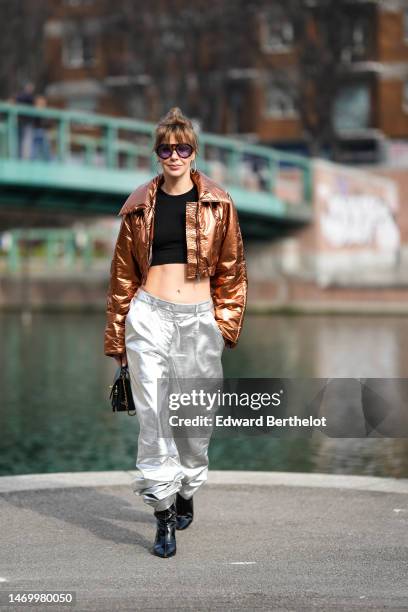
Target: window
(279, 100)
(405, 95)
(406, 25)
(276, 31)
(352, 107)
(356, 36)
(359, 39)
(136, 103)
(85, 103)
(78, 46)
(77, 2)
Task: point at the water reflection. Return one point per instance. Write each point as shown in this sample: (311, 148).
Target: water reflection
(55, 415)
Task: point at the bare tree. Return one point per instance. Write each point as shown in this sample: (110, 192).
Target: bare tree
(323, 32)
(193, 54)
(190, 50)
(22, 44)
(187, 49)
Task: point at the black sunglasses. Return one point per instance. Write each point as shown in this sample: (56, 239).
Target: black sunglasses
(184, 150)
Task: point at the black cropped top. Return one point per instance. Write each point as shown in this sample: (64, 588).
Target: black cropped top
(169, 238)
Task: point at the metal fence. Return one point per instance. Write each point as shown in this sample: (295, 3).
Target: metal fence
(120, 143)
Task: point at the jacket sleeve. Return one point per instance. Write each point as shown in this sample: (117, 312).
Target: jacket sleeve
(125, 278)
(229, 284)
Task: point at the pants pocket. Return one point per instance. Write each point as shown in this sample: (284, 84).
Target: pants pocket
(143, 326)
(217, 329)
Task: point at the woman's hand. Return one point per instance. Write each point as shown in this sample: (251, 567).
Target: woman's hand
(121, 360)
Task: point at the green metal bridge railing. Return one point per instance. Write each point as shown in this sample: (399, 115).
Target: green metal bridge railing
(48, 249)
(124, 144)
(108, 155)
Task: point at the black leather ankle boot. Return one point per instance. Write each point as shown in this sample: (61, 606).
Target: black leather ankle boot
(165, 542)
(185, 513)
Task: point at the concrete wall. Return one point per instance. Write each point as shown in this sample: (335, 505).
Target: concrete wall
(353, 254)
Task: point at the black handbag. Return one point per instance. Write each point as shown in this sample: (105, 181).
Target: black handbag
(121, 392)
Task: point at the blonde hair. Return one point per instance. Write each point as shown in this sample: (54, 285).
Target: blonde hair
(174, 122)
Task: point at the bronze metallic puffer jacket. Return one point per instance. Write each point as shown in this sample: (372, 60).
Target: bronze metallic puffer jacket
(214, 249)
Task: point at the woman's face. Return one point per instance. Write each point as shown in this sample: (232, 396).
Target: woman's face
(176, 166)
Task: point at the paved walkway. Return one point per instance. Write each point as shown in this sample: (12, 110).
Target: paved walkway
(260, 540)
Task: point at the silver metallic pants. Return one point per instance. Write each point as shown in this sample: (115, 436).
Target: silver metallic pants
(169, 340)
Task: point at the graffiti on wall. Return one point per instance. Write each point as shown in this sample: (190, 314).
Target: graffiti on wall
(357, 208)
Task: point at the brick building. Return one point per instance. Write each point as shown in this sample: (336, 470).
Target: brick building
(109, 58)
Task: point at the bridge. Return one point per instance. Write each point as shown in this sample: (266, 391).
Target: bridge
(95, 161)
(92, 162)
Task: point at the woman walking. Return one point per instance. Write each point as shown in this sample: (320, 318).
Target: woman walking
(177, 296)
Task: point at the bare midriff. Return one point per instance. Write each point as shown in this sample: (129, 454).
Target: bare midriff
(169, 282)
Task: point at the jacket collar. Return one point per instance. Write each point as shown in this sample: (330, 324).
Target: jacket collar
(143, 197)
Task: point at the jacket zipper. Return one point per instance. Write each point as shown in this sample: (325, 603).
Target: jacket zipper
(151, 235)
(197, 244)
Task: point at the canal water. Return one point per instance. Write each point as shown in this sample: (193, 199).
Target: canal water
(55, 413)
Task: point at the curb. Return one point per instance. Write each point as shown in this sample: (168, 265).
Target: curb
(62, 480)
